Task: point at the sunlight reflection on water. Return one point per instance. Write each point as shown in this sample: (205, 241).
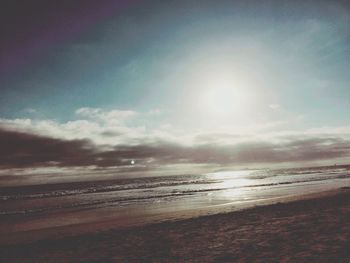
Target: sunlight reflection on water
(232, 184)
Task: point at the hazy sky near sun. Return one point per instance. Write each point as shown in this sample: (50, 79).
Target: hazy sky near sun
(180, 73)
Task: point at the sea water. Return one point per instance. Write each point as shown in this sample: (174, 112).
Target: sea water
(167, 197)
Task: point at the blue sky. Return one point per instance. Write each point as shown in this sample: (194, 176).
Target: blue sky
(182, 69)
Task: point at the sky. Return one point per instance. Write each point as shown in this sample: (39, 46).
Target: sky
(173, 86)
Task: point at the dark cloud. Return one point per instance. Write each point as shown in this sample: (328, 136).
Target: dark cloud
(294, 150)
(111, 133)
(19, 149)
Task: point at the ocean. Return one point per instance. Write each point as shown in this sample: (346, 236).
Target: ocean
(140, 200)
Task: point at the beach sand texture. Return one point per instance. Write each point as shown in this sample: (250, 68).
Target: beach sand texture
(310, 230)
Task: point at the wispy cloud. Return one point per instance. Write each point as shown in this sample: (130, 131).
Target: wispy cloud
(274, 106)
(112, 116)
(30, 110)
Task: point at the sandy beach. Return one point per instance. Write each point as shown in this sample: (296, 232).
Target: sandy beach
(174, 131)
(314, 229)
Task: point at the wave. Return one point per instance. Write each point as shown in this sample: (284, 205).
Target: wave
(102, 189)
(149, 196)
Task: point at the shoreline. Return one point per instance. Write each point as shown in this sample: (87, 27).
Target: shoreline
(326, 215)
(12, 234)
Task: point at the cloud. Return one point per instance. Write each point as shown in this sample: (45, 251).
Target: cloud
(30, 110)
(113, 116)
(274, 106)
(23, 149)
(19, 149)
(105, 128)
(154, 112)
(109, 139)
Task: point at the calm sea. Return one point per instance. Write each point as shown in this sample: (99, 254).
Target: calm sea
(168, 197)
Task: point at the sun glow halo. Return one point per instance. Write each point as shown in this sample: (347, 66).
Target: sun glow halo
(225, 99)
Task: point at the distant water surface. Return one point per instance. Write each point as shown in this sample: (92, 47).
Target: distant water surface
(167, 197)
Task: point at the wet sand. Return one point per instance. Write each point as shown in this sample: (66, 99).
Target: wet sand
(315, 229)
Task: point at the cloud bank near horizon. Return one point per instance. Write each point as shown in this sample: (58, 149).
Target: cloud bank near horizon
(104, 139)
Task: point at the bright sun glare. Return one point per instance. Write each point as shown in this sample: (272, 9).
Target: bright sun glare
(226, 98)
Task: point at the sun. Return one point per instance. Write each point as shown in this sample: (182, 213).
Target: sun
(223, 100)
(223, 96)
(226, 99)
